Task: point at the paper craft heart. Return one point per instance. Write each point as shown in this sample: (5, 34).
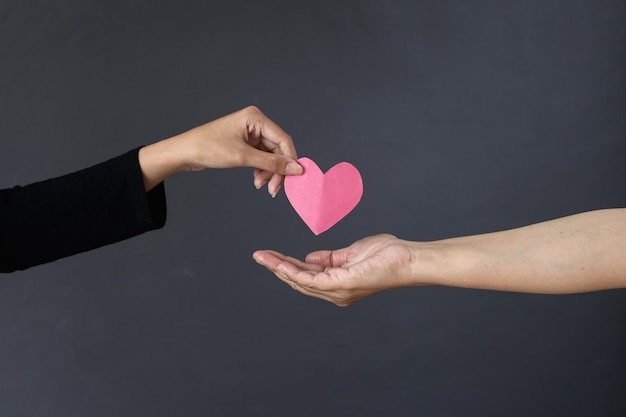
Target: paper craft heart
(321, 200)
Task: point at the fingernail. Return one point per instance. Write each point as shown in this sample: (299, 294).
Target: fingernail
(276, 192)
(257, 185)
(293, 168)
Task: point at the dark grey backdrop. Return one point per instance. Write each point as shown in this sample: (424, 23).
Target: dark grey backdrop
(464, 117)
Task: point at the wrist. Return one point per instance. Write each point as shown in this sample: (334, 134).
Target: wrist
(163, 159)
(443, 262)
(426, 263)
(456, 262)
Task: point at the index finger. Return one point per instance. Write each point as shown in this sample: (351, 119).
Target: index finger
(272, 259)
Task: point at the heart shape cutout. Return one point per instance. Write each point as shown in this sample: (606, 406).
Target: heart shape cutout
(321, 200)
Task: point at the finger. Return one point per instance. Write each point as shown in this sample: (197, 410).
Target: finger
(261, 177)
(260, 146)
(287, 281)
(306, 274)
(272, 162)
(303, 290)
(268, 258)
(273, 187)
(328, 258)
(306, 282)
(271, 259)
(297, 285)
(272, 262)
(300, 276)
(307, 267)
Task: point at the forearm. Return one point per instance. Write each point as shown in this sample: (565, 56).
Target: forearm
(584, 252)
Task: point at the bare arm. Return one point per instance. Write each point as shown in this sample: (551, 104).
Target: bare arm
(579, 253)
(584, 252)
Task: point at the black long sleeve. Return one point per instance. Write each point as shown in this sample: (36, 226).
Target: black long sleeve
(77, 212)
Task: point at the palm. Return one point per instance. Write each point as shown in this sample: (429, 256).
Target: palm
(371, 265)
(344, 276)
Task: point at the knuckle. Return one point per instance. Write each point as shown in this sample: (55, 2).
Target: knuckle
(252, 110)
(273, 163)
(239, 159)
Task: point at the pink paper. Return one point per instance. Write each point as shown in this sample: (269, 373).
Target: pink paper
(321, 200)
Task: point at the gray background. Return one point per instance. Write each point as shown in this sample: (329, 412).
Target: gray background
(463, 117)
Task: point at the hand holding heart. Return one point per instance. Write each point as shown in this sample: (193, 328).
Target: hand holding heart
(246, 138)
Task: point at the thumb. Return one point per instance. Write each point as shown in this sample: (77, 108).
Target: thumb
(328, 258)
(272, 162)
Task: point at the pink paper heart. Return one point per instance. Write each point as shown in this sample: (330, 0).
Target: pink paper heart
(321, 200)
